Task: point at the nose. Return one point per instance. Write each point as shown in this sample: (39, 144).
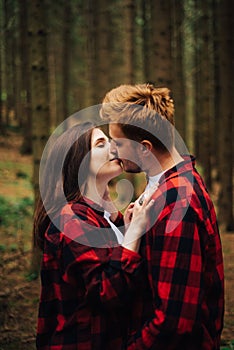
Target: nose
(113, 149)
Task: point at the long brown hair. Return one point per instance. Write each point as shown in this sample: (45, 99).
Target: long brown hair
(62, 175)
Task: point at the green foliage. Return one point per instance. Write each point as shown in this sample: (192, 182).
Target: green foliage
(13, 247)
(15, 224)
(229, 346)
(10, 212)
(21, 174)
(2, 247)
(32, 276)
(4, 96)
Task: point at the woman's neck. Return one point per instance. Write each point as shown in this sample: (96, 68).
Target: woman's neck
(95, 190)
(98, 192)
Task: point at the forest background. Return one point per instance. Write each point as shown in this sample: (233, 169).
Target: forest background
(57, 58)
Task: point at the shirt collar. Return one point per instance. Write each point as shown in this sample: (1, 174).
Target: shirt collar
(88, 202)
(153, 180)
(187, 164)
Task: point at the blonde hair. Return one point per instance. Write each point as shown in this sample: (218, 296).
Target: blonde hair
(147, 95)
(143, 112)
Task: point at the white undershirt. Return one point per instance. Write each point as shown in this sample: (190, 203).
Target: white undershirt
(117, 232)
(153, 180)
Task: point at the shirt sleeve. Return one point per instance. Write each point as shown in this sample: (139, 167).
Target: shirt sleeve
(175, 275)
(109, 274)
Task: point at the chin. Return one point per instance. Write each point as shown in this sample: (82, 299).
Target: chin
(114, 174)
(131, 167)
(117, 173)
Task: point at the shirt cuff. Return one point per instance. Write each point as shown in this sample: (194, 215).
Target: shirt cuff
(125, 259)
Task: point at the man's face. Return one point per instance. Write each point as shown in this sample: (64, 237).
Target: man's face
(125, 149)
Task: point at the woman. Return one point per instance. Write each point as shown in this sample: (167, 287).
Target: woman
(86, 275)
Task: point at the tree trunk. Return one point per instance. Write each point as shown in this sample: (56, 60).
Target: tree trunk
(189, 64)
(102, 49)
(117, 22)
(204, 90)
(216, 94)
(161, 38)
(8, 36)
(178, 90)
(26, 147)
(37, 34)
(138, 61)
(2, 131)
(226, 26)
(66, 59)
(90, 53)
(147, 45)
(16, 63)
(56, 114)
(79, 88)
(128, 41)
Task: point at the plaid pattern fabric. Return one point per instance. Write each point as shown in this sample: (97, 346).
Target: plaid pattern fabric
(85, 289)
(183, 305)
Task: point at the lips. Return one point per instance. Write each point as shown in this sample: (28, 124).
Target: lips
(118, 160)
(114, 158)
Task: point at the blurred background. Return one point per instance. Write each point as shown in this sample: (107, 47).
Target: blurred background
(58, 57)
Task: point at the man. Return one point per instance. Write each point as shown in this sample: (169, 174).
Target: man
(183, 304)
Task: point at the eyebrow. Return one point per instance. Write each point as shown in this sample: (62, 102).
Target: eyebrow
(100, 139)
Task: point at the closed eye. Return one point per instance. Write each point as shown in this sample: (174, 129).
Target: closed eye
(101, 142)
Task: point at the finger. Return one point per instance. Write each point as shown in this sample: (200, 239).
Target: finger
(130, 217)
(149, 212)
(140, 200)
(148, 194)
(147, 204)
(150, 203)
(144, 200)
(128, 213)
(130, 206)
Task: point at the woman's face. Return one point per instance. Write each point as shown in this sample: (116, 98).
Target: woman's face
(103, 164)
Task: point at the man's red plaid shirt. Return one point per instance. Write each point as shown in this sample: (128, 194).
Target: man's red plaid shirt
(183, 306)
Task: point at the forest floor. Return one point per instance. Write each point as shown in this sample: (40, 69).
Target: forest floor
(18, 294)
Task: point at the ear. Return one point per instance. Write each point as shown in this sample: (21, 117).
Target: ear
(146, 146)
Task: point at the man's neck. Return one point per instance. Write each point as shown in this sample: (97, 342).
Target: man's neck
(165, 161)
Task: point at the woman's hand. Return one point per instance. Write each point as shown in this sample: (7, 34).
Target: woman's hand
(136, 210)
(136, 218)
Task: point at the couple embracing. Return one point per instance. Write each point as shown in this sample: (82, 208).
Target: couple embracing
(149, 279)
